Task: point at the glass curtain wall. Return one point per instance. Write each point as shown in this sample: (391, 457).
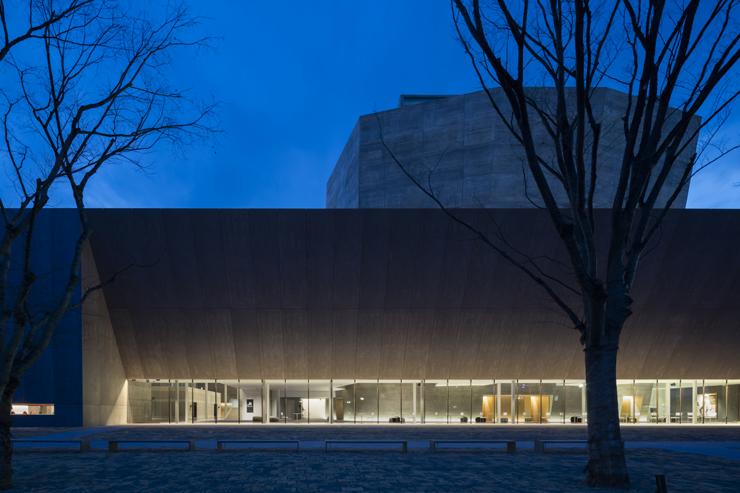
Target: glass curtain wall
(366, 401)
(343, 401)
(274, 409)
(552, 401)
(733, 401)
(411, 401)
(319, 401)
(626, 401)
(436, 400)
(506, 401)
(574, 400)
(389, 393)
(713, 402)
(203, 401)
(689, 401)
(227, 410)
(249, 395)
(295, 405)
(483, 394)
(528, 401)
(646, 401)
(425, 401)
(460, 401)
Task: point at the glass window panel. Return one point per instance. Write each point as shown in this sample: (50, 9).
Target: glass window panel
(411, 404)
(296, 401)
(228, 405)
(249, 396)
(180, 393)
(366, 403)
(203, 397)
(574, 397)
(506, 397)
(460, 401)
(390, 401)
(646, 401)
(484, 401)
(435, 401)
(319, 402)
(344, 401)
(690, 401)
(32, 409)
(665, 403)
(733, 401)
(626, 401)
(528, 402)
(552, 401)
(713, 403)
(275, 411)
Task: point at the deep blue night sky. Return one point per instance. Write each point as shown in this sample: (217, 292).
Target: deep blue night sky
(296, 76)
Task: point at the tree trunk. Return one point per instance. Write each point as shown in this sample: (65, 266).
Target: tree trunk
(606, 467)
(6, 448)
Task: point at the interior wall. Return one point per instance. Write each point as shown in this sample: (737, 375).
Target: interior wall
(104, 386)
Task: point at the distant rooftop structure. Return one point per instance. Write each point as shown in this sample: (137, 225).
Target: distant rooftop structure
(409, 99)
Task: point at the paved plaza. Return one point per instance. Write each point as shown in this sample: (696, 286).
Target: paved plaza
(171, 469)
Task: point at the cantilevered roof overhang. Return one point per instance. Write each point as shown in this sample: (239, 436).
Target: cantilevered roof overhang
(398, 294)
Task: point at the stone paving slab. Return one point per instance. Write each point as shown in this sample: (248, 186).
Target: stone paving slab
(636, 433)
(363, 472)
(31, 432)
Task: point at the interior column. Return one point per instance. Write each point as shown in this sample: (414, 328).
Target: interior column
(413, 410)
(694, 406)
(667, 403)
(498, 403)
(584, 409)
(188, 405)
(205, 411)
(265, 401)
(177, 402)
(513, 401)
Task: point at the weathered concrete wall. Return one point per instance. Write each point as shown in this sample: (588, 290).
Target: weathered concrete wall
(103, 379)
(461, 148)
(343, 185)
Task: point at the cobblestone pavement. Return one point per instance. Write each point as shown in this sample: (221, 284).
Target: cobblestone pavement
(368, 471)
(36, 432)
(418, 471)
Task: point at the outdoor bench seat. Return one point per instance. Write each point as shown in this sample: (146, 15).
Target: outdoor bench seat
(84, 444)
(510, 444)
(539, 445)
(220, 444)
(404, 443)
(113, 444)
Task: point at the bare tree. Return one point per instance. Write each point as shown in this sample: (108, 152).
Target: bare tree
(673, 60)
(93, 92)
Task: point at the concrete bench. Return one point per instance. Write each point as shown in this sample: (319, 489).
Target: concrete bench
(327, 444)
(84, 444)
(539, 445)
(220, 444)
(510, 444)
(113, 444)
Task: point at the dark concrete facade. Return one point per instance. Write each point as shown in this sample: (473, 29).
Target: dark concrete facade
(57, 377)
(396, 294)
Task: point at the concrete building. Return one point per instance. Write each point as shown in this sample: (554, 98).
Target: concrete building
(374, 313)
(472, 159)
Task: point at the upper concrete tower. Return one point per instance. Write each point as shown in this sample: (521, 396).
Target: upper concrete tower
(473, 158)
